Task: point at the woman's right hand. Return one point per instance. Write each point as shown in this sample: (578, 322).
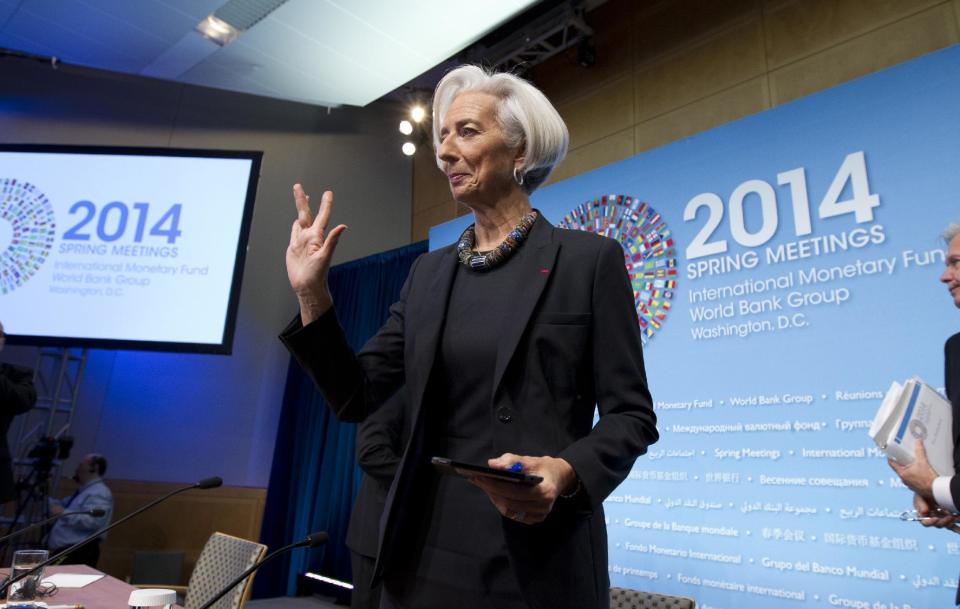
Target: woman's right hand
(309, 254)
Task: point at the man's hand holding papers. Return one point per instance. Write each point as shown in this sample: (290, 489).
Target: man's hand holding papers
(918, 476)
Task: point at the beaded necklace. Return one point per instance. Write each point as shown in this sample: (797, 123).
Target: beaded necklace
(484, 261)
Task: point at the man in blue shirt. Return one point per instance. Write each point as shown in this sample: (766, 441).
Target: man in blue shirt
(92, 493)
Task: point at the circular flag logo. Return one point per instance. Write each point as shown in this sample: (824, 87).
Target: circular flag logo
(647, 250)
(918, 430)
(27, 238)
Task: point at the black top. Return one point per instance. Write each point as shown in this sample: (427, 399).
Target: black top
(464, 560)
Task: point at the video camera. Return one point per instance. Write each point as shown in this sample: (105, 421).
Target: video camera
(48, 449)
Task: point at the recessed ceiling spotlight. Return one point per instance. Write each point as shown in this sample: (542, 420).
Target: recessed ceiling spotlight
(217, 30)
(408, 148)
(406, 127)
(417, 113)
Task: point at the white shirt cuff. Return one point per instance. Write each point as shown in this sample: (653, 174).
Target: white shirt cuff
(941, 492)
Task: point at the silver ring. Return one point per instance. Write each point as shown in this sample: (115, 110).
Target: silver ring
(519, 516)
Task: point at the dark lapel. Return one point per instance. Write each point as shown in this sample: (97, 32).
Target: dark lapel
(536, 271)
(428, 325)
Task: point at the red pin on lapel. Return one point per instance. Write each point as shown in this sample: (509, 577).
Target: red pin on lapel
(544, 271)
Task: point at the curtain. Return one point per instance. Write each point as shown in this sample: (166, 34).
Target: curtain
(314, 477)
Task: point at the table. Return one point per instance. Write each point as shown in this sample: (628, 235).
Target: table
(106, 593)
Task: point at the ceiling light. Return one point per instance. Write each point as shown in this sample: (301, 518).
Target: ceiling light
(408, 148)
(406, 127)
(417, 113)
(218, 30)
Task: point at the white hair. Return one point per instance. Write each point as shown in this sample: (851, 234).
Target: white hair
(524, 114)
(951, 232)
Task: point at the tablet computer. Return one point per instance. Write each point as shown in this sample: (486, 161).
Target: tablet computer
(468, 470)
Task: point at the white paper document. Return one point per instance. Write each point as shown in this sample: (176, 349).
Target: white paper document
(911, 412)
(72, 580)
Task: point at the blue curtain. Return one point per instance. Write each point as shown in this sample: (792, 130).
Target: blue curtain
(314, 477)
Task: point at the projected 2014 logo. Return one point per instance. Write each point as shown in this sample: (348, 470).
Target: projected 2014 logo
(30, 214)
(647, 248)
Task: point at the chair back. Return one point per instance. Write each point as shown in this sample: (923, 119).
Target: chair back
(223, 558)
(156, 567)
(625, 598)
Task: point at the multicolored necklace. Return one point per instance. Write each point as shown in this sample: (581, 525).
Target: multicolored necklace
(484, 261)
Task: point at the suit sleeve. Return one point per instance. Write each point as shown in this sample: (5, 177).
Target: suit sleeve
(17, 393)
(352, 383)
(951, 378)
(627, 424)
(379, 440)
(951, 366)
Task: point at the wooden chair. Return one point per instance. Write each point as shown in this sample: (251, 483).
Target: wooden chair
(223, 558)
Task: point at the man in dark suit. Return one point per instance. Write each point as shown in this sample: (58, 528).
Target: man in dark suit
(17, 396)
(380, 440)
(938, 497)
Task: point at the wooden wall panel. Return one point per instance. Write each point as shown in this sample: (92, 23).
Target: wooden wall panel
(604, 111)
(181, 523)
(726, 106)
(706, 69)
(895, 43)
(696, 64)
(801, 28)
(597, 154)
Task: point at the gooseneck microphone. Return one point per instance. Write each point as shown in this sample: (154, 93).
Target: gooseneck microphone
(206, 483)
(95, 512)
(312, 541)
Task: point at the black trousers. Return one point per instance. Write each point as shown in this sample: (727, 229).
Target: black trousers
(87, 554)
(364, 595)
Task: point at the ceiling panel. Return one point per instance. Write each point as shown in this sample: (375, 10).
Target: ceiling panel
(430, 29)
(28, 45)
(163, 20)
(7, 9)
(343, 39)
(195, 9)
(36, 32)
(326, 52)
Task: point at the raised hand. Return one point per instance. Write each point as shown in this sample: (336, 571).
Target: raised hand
(309, 254)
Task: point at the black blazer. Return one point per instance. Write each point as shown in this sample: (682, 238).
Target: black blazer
(573, 343)
(379, 446)
(951, 380)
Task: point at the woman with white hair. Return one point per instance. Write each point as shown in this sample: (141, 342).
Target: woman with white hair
(506, 342)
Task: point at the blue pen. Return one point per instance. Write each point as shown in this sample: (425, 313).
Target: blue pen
(516, 467)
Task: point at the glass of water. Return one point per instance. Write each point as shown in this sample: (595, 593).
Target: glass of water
(26, 591)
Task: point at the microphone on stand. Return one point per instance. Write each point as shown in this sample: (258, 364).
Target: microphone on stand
(206, 483)
(312, 541)
(95, 512)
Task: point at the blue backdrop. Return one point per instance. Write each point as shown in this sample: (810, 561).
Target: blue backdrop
(786, 269)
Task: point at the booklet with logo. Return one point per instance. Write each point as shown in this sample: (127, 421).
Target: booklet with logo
(910, 412)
